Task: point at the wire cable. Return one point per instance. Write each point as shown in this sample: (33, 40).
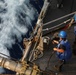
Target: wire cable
(56, 25)
(35, 46)
(59, 18)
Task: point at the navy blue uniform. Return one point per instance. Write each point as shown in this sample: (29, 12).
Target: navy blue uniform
(67, 50)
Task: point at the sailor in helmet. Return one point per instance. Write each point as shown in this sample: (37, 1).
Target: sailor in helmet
(63, 50)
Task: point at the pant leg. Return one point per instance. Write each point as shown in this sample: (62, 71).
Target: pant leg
(59, 65)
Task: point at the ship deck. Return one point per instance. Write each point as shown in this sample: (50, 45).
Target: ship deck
(70, 67)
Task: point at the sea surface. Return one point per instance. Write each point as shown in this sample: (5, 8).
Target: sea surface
(17, 20)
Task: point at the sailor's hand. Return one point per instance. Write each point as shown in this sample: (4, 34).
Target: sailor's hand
(36, 38)
(55, 49)
(54, 41)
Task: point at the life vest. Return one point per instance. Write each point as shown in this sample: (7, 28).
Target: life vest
(67, 53)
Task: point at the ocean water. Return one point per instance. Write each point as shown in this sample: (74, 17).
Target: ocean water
(17, 19)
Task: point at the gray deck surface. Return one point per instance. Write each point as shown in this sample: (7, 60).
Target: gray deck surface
(70, 67)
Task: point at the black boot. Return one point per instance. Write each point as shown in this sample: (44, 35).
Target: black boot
(58, 67)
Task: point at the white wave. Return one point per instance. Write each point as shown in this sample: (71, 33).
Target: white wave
(10, 27)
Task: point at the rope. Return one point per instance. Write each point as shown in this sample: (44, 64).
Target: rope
(34, 47)
(56, 25)
(59, 18)
(49, 60)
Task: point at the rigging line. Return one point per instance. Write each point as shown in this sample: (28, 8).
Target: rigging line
(59, 18)
(56, 25)
(34, 47)
(53, 52)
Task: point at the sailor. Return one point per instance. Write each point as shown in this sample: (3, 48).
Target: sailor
(63, 50)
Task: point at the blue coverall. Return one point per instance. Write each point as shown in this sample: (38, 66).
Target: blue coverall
(67, 52)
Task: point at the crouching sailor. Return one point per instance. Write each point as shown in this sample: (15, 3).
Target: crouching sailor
(63, 50)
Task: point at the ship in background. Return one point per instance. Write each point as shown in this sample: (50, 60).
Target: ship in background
(50, 15)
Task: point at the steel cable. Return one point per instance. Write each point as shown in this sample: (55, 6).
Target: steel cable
(56, 25)
(59, 18)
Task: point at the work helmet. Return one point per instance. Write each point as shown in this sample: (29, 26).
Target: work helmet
(62, 34)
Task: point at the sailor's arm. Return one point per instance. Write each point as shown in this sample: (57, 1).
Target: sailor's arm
(58, 50)
(61, 49)
(55, 41)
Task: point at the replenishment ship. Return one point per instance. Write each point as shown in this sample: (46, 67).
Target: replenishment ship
(32, 51)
